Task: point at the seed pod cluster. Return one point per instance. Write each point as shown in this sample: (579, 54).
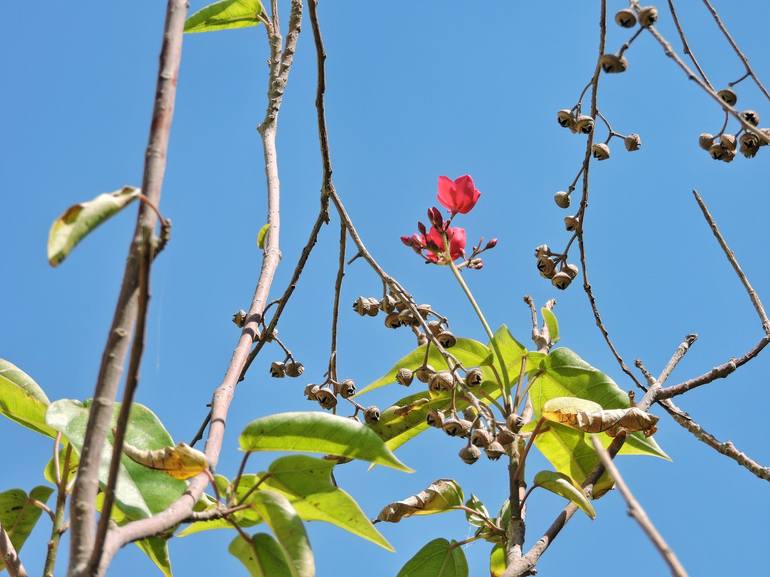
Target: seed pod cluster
(724, 146)
(555, 267)
(290, 368)
(577, 123)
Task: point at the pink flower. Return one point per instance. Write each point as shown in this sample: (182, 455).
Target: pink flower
(459, 195)
(434, 242)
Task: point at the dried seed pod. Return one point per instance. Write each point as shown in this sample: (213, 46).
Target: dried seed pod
(546, 266)
(387, 304)
(424, 373)
(435, 328)
(613, 64)
(494, 451)
(625, 18)
(474, 377)
(373, 308)
(728, 156)
(584, 124)
(633, 142)
(705, 140)
(294, 369)
(481, 438)
(648, 15)
(422, 339)
(572, 223)
(455, 427)
(424, 310)
(239, 318)
(728, 96)
(749, 144)
(600, 151)
(326, 399)
(504, 436)
(565, 119)
(406, 318)
(571, 269)
(435, 418)
(346, 388)
(561, 199)
(441, 381)
(404, 376)
(311, 392)
(561, 280)
(542, 250)
(717, 151)
(751, 117)
(371, 415)
(361, 305)
(470, 454)
(470, 413)
(727, 141)
(277, 370)
(446, 339)
(392, 320)
(514, 423)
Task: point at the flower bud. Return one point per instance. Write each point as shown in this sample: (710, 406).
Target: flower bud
(625, 18)
(561, 199)
(277, 370)
(473, 378)
(728, 96)
(633, 142)
(435, 218)
(446, 339)
(424, 373)
(404, 376)
(371, 415)
(294, 369)
(613, 64)
(346, 388)
(600, 151)
(475, 264)
(561, 280)
(470, 454)
(239, 318)
(491, 243)
(648, 15)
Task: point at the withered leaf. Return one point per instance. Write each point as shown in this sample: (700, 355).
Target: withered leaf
(442, 495)
(180, 462)
(589, 417)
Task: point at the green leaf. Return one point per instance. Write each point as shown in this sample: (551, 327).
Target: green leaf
(316, 432)
(442, 495)
(225, 15)
(18, 515)
(475, 503)
(156, 549)
(563, 486)
(262, 235)
(497, 561)
(469, 352)
(80, 219)
(262, 556)
(50, 469)
(439, 558)
(140, 491)
(22, 400)
(551, 323)
(288, 529)
(307, 483)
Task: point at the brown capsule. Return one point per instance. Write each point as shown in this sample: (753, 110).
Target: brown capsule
(717, 151)
(505, 436)
(561, 280)
(633, 142)
(435, 418)
(584, 124)
(613, 64)
(294, 369)
(562, 199)
(424, 310)
(572, 223)
(727, 141)
(361, 305)
(600, 151)
(728, 96)
(374, 307)
(546, 266)
(514, 422)
(470, 454)
(239, 318)
(346, 388)
(446, 339)
(749, 144)
(481, 438)
(277, 370)
(571, 269)
(387, 304)
(648, 15)
(470, 412)
(565, 119)
(407, 318)
(326, 399)
(751, 117)
(474, 377)
(392, 320)
(494, 451)
(625, 18)
(728, 156)
(441, 381)
(404, 376)
(424, 373)
(705, 140)
(455, 427)
(542, 250)
(371, 415)
(435, 328)
(311, 392)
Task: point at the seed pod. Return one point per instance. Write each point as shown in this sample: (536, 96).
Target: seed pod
(749, 144)
(625, 18)
(633, 142)
(424, 373)
(311, 392)
(571, 269)
(406, 318)
(422, 339)
(435, 328)
(546, 266)
(494, 451)
(751, 117)
(371, 415)
(404, 376)
(542, 250)
(392, 321)
(455, 427)
(504, 436)
(565, 119)
(481, 438)
(561, 199)
(613, 64)
(446, 339)
(424, 310)
(470, 454)
(728, 96)
(294, 369)
(441, 381)
(584, 124)
(571, 223)
(561, 280)
(705, 140)
(373, 308)
(514, 422)
(326, 399)
(648, 15)
(387, 304)
(239, 318)
(717, 151)
(727, 141)
(361, 305)
(600, 151)
(474, 377)
(728, 156)
(766, 132)
(346, 388)
(435, 418)
(277, 370)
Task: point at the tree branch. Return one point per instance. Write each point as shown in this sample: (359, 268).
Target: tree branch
(59, 526)
(686, 46)
(9, 556)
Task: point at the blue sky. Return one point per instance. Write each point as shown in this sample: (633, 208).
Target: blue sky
(414, 91)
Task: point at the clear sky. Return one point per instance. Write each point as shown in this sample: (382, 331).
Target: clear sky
(415, 90)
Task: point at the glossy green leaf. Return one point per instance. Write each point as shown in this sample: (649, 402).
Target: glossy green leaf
(262, 556)
(439, 558)
(469, 352)
(140, 491)
(18, 515)
(563, 486)
(475, 503)
(307, 483)
(442, 495)
(497, 561)
(80, 219)
(225, 15)
(277, 512)
(551, 323)
(22, 400)
(316, 432)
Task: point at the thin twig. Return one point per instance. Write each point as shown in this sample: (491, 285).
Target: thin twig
(638, 513)
(9, 556)
(686, 46)
(336, 307)
(215, 513)
(59, 526)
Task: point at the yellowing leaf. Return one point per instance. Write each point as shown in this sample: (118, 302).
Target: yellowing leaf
(442, 495)
(589, 417)
(180, 462)
(262, 235)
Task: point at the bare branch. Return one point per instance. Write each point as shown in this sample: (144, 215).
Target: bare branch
(59, 526)
(336, 307)
(685, 45)
(9, 556)
(638, 513)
